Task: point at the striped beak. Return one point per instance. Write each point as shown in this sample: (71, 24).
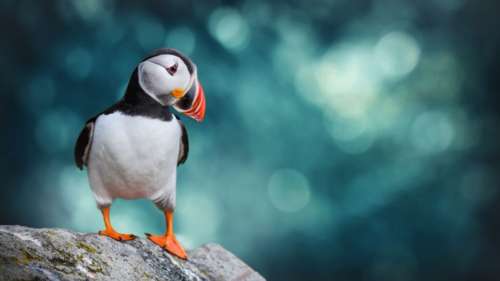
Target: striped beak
(192, 103)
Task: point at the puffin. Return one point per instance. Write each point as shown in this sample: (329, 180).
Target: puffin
(132, 149)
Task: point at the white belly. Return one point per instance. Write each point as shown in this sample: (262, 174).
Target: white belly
(133, 157)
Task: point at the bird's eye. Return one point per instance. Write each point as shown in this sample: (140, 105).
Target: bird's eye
(172, 69)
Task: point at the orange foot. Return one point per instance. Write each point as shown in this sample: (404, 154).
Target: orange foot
(169, 243)
(117, 236)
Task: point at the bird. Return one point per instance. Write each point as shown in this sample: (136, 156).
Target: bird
(132, 149)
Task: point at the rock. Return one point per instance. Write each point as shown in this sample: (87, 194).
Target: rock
(59, 254)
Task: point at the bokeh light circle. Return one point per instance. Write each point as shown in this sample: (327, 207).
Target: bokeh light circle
(229, 28)
(345, 129)
(397, 54)
(289, 190)
(432, 132)
(348, 80)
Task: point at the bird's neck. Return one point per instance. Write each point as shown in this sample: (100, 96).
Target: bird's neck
(137, 102)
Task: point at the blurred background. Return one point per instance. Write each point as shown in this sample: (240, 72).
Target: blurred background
(344, 140)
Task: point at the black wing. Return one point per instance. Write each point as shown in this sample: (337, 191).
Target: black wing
(184, 149)
(83, 144)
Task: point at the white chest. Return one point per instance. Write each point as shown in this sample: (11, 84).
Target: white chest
(133, 156)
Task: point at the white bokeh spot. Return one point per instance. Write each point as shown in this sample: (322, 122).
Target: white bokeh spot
(229, 28)
(289, 190)
(397, 54)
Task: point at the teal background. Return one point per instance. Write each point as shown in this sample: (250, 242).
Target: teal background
(344, 140)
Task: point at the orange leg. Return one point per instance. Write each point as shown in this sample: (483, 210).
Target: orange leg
(168, 240)
(110, 231)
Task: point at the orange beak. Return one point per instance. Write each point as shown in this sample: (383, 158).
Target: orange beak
(197, 109)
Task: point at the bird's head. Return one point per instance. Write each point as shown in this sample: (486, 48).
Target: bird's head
(171, 79)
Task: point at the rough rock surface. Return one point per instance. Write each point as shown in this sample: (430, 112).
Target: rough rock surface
(58, 254)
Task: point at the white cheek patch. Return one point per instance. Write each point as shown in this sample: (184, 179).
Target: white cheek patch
(181, 77)
(153, 79)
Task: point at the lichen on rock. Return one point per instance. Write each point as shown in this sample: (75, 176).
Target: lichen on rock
(58, 254)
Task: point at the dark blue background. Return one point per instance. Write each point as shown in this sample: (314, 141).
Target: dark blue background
(344, 140)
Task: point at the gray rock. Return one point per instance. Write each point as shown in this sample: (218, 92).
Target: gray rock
(58, 254)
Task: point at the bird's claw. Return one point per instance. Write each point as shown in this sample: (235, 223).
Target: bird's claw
(117, 236)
